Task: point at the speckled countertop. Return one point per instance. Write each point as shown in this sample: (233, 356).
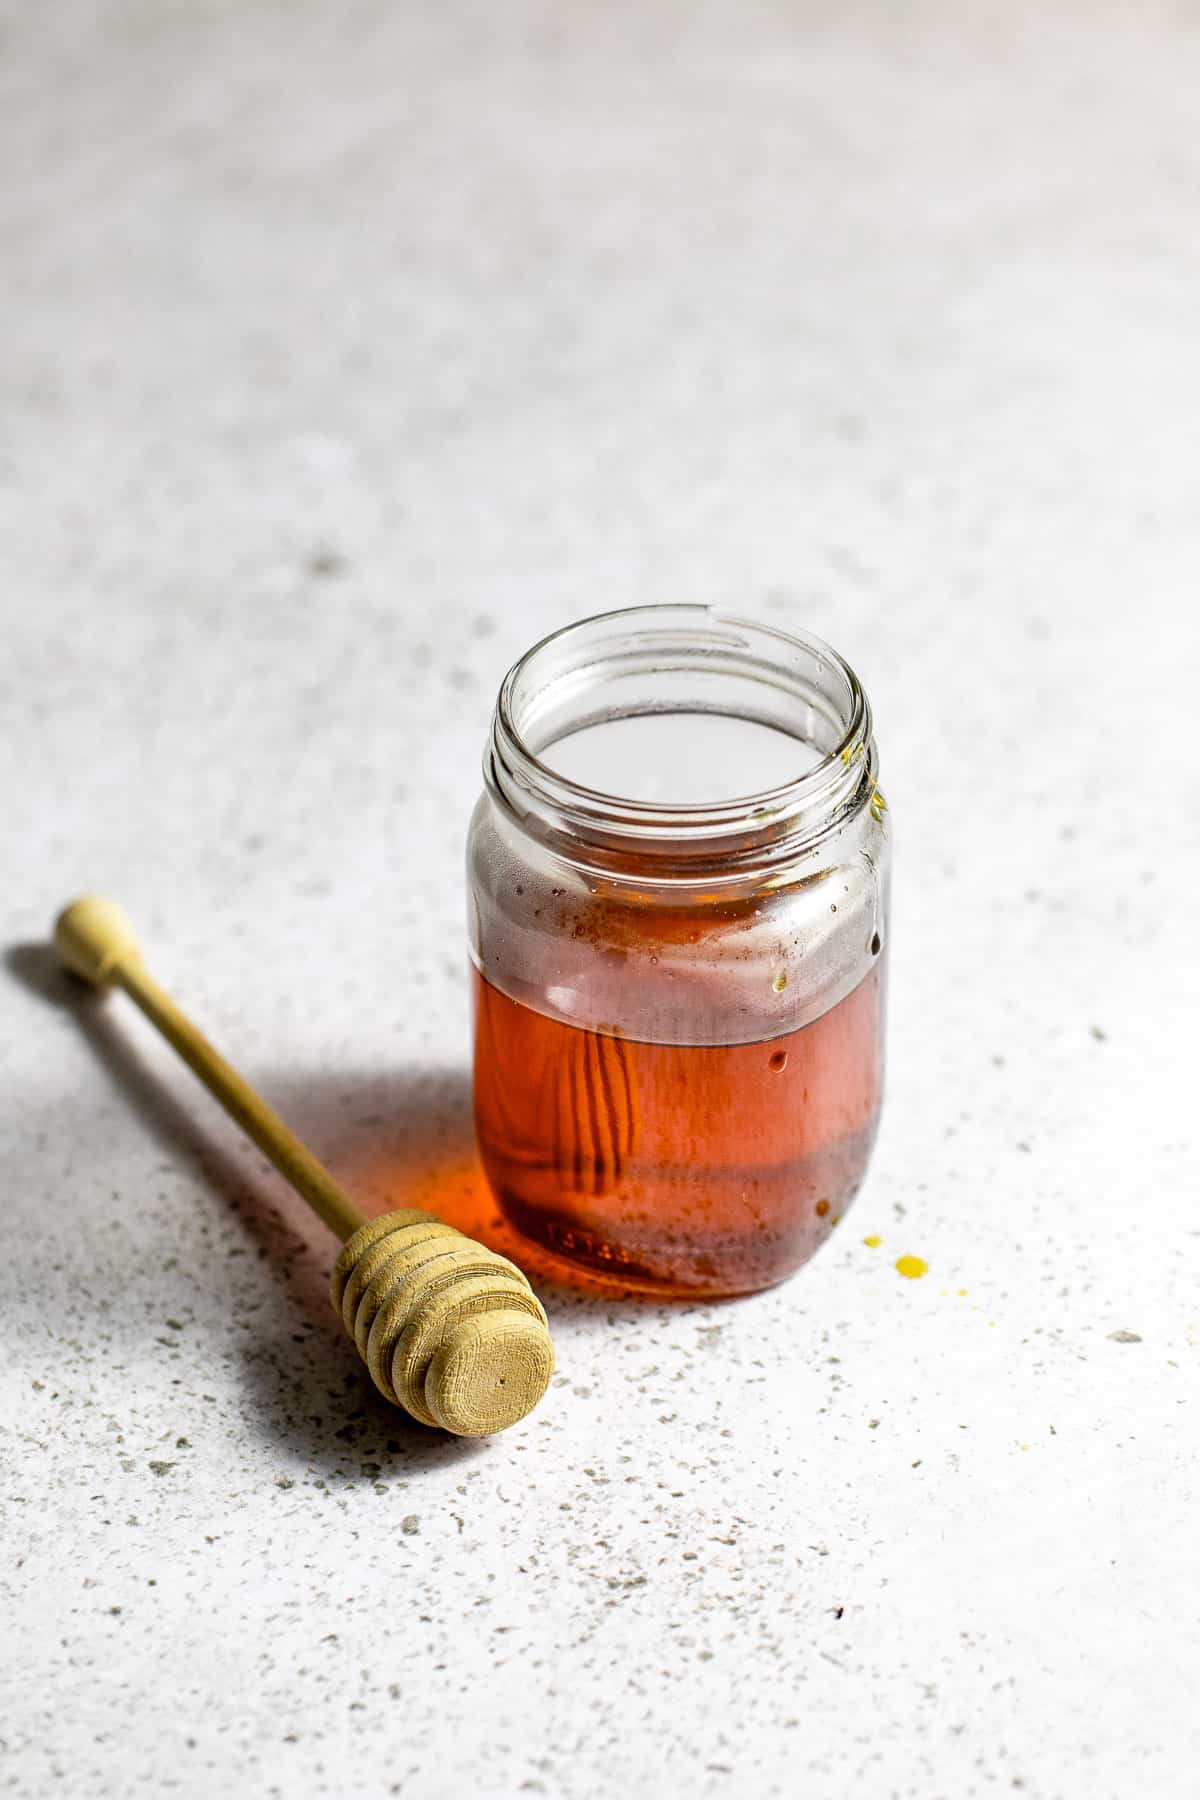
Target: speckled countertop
(346, 350)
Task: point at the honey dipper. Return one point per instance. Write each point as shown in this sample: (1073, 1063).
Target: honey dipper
(449, 1330)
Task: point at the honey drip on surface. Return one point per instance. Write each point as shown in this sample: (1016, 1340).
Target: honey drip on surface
(683, 1169)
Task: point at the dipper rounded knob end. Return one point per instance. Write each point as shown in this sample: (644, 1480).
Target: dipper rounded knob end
(92, 936)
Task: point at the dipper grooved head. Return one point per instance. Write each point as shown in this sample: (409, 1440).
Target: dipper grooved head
(448, 1329)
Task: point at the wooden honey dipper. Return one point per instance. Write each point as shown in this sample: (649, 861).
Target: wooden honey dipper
(449, 1330)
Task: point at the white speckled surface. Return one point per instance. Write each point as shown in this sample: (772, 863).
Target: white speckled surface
(346, 350)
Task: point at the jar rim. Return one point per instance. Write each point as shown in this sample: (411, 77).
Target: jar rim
(783, 819)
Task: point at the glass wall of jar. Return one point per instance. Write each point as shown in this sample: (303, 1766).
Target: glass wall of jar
(678, 877)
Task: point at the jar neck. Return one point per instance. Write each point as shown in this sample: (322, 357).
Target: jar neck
(682, 659)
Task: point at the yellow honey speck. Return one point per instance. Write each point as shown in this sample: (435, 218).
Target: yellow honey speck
(780, 982)
(963, 1291)
(821, 1208)
(872, 1242)
(1024, 1446)
(912, 1267)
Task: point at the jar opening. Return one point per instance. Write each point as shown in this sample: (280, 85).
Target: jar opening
(680, 758)
(781, 710)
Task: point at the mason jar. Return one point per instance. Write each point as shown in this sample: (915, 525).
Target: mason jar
(678, 895)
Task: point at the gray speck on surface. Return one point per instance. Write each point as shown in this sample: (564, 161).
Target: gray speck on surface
(161, 1468)
(326, 563)
(410, 1525)
(1125, 1337)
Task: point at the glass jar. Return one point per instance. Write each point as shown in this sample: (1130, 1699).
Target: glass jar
(678, 884)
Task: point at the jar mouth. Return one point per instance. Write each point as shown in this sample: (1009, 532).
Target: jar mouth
(681, 659)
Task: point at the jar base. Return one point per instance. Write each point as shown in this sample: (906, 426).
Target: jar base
(719, 1267)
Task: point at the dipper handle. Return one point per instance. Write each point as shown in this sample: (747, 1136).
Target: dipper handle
(96, 940)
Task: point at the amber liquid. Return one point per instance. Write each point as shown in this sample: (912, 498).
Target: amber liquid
(685, 1169)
